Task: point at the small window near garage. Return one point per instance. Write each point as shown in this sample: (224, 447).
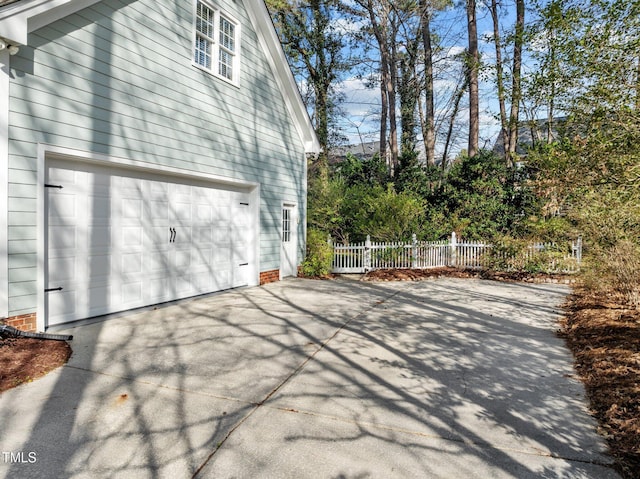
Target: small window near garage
(216, 42)
(286, 225)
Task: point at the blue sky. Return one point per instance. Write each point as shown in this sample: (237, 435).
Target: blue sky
(361, 104)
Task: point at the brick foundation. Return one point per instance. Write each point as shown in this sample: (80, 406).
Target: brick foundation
(269, 276)
(24, 322)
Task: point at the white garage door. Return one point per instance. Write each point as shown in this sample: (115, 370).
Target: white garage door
(118, 240)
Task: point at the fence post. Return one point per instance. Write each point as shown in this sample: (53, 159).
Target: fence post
(579, 250)
(367, 254)
(454, 247)
(414, 251)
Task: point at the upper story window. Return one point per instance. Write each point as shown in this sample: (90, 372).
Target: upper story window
(216, 45)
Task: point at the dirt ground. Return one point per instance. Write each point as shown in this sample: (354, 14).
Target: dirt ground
(603, 334)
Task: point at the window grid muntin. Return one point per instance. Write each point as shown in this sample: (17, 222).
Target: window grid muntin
(225, 64)
(286, 225)
(227, 34)
(203, 52)
(211, 24)
(205, 27)
(205, 21)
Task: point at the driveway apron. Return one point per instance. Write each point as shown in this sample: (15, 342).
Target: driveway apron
(444, 378)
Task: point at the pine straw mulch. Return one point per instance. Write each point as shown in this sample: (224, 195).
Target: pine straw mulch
(419, 274)
(604, 336)
(24, 359)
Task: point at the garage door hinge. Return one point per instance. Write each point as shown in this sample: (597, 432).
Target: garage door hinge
(48, 290)
(245, 204)
(243, 264)
(53, 186)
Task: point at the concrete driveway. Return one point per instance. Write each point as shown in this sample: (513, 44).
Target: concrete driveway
(443, 378)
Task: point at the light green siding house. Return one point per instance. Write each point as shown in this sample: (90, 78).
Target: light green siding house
(150, 150)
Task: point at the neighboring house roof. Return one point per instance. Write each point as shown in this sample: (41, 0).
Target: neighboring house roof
(20, 17)
(362, 151)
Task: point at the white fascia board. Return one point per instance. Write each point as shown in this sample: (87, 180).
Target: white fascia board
(18, 19)
(269, 41)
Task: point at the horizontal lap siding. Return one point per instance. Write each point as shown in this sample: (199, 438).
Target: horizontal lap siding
(117, 79)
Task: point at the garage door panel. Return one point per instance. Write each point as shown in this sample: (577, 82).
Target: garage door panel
(201, 258)
(100, 266)
(118, 240)
(63, 175)
(182, 213)
(65, 304)
(63, 237)
(157, 261)
(131, 294)
(183, 261)
(203, 213)
(158, 211)
(221, 234)
(127, 187)
(202, 282)
(100, 209)
(132, 237)
(99, 238)
(99, 299)
(203, 235)
(221, 277)
(158, 289)
(62, 269)
(131, 263)
(131, 209)
(156, 238)
(62, 209)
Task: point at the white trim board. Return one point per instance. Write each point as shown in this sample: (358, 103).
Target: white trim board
(5, 72)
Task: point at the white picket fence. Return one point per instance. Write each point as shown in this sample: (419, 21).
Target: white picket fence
(367, 256)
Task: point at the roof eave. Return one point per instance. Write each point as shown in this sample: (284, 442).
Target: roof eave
(284, 77)
(19, 18)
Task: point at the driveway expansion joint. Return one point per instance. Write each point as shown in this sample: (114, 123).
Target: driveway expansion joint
(288, 378)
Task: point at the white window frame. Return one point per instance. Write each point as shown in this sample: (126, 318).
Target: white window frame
(216, 45)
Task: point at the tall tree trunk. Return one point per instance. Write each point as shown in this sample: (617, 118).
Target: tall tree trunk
(452, 120)
(473, 66)
(429, 126)
(384, 106)
(391, 95)
(500, 78)
(516, 91)
(380, 24)
(408, 92)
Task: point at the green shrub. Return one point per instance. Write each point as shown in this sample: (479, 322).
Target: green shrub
(319, 257)
(509, 254)
(615, 272)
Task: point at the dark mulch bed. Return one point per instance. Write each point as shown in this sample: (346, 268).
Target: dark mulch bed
(604, 336)
(24, 359)
(419, 274)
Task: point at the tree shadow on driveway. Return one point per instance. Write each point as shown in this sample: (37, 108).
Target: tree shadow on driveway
(443, 378)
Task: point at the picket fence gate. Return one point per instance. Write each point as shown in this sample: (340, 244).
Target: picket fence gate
(367, 256)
